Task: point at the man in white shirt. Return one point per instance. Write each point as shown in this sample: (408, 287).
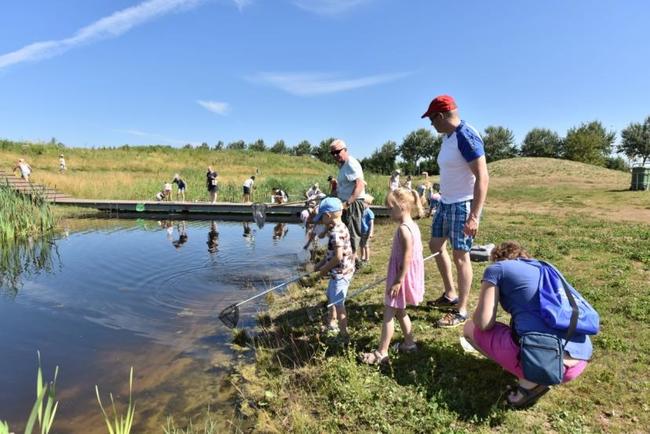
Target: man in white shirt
(351, 189)
(463, 187)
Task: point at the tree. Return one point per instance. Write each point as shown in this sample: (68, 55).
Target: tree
(418, 144)
(302, 148)
(257, 145)
(636, 141)
(542, 142)
(322, 151)
(204, 146)
(616, 163)
(382, 160)
(589, 143)
(279, 148)
(239, 144)
(186, 146)
(499, 143)
(218, 146)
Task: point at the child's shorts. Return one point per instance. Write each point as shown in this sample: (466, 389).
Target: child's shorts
(337, 290)
(364, 240)
(247, 190)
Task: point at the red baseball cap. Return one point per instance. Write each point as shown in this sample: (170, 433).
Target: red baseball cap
(442, 103)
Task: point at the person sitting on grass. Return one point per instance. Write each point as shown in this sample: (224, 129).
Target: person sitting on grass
(180, 194)
(338, 263)
(405, 277)
(513, 283)
(367, 228)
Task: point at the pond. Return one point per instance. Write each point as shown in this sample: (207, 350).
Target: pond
(112, 294)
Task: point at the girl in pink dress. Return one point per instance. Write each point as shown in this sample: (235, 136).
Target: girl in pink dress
(405, 279)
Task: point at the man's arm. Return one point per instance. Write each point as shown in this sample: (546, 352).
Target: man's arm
(478, 167)
(358, 188)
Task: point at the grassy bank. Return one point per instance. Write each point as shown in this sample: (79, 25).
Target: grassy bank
(302, 381)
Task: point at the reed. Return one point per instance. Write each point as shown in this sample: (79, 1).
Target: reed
(120, 424)
(23, 215)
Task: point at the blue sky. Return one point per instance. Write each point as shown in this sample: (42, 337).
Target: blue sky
(110, 72)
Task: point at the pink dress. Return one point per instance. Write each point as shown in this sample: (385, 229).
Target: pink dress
(412, 291)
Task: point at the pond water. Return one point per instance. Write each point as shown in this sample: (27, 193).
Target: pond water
(113, 294)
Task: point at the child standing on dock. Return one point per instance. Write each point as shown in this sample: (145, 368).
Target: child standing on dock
(167, 189)
(338, 262)
(405, 279)
(180, 194)
(211, 182)
(249, 185)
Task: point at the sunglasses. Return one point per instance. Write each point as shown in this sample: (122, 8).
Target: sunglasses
(337, 152)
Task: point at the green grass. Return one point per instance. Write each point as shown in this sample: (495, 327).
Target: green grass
(22, 216)
(301, 381)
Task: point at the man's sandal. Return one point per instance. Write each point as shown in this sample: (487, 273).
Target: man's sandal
(374, 358)
(529, 396)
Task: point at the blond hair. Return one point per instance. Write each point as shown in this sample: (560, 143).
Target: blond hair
(508, 250)
(408, 199)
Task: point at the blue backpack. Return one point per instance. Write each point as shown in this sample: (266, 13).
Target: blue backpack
(559, 300)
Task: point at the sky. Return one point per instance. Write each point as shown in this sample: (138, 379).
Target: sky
(113, 72)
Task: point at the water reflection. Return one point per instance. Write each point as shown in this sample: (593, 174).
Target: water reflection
(25, 258)
(120, 297)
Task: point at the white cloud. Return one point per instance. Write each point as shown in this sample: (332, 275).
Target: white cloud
(241, 4)
(318, 84)
(328, 7)
(110, 26)
(218, 107)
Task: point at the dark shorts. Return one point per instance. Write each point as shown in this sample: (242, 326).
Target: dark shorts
(213, 188)
(247, 190)
(364, 240)
(352, 217)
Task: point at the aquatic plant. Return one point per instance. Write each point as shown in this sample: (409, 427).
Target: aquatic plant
(23, 215)
(45, 406)
(120, 424)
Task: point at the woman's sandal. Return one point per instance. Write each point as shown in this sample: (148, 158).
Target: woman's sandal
(374, 358)
(399, 347)
(529, 396)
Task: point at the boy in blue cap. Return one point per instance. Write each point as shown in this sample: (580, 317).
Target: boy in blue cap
(338, 262)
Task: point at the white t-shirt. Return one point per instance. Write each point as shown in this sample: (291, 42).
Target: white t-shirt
(394, 183)
(457, 151)
(249, 183)
(347, 177)
(24, 169)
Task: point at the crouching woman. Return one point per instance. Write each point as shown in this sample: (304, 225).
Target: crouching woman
(513, 282)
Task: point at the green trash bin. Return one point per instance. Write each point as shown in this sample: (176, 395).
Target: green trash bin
(640, 178)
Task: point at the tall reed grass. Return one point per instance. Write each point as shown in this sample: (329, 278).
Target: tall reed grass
(22, 215)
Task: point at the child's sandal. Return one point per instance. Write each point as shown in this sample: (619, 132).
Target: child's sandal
(374, 358)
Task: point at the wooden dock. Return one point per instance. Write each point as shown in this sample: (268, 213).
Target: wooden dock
(157, 209)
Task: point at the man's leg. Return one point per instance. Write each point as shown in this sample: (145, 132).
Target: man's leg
(444, 265)
(464, 270)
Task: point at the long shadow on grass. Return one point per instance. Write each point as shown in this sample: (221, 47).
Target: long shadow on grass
(466, 384)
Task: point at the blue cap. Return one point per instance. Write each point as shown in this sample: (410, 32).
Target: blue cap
(329, 204)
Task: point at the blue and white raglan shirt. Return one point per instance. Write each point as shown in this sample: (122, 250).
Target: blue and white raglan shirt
(458, 149)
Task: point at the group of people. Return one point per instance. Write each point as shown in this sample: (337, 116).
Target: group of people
(512, 281)
(166, 193)
(23, 168)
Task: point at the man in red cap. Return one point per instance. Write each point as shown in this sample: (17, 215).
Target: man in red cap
(463, 187)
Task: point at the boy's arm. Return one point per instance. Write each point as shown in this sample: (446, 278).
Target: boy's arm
(371, 230)
(333, 262)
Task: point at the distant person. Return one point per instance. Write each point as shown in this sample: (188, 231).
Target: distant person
(423, 188)
(160, 196)
(409, 183)
(180, 194)
(338, 263)
(434, 199)
(248, 187)
(213, 238)
(62, 166)
(513, 281)
(167, 189)
(464, 185)
(182, 235)
(333, 184)
(314, 193)
(405, 277)
(24, 168)
(393, 182)
(367, 228)
(212, 184)
(280, 196)
(351, 190)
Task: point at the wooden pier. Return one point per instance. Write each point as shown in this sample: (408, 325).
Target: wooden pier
(149, 209)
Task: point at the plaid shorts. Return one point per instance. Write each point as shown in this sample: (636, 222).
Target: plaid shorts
(449, 221)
